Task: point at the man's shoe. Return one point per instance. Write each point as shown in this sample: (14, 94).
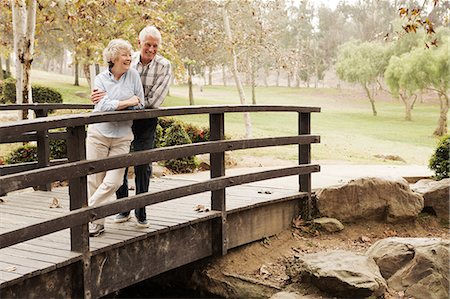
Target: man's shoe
(121, 218)
(95, 229)
(143, 223)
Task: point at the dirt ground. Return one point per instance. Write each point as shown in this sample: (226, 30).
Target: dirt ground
(264, 261)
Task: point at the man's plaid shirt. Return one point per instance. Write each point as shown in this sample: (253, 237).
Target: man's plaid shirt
(155, 78)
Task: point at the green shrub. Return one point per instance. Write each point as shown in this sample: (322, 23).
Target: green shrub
(439, 161)
(41, 94)
(6, 74)
(28, 152)
(196, 134)
(9, 91)
(176, 135)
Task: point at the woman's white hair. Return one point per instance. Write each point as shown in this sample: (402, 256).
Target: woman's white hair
(152, 31)
(112, 50)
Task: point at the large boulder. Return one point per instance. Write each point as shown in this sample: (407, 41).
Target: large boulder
(419, 267)
(436, 195)
(386, 199)
(339, 273)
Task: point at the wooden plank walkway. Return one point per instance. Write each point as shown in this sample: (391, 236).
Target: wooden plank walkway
(45, 254)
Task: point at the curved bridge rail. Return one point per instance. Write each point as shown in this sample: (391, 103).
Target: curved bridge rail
(77, 168)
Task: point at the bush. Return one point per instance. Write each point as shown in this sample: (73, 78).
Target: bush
(197, 134)
(439, 161)
(41, 94)
(8, 91)
(176, 135)
(28, 152)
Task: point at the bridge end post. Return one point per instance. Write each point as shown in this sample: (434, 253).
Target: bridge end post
(304, 157)
(218, 202)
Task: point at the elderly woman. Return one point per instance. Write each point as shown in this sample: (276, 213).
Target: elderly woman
(123, 88)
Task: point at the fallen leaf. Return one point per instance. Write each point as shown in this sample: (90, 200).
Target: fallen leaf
(365, 239)
(55, 204)
(201, 208)
(390, 233)
(11, 269)
(264, 192)
(297, 222)
(264, 270)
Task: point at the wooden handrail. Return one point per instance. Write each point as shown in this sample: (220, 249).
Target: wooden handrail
(74, 120)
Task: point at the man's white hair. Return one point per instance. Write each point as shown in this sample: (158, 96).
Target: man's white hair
(112, 51)
(152, 31)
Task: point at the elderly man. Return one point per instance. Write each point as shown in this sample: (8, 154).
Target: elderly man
(155, 72)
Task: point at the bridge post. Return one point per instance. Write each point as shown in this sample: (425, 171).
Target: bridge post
(217, 161)
(79, 235)
(304, 157)
(43, 149)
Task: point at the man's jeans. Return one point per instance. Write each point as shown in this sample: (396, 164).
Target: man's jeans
(144, 139)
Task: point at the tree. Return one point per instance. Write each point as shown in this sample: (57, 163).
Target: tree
(418, 70)
(6, 34)
(362, 63)
(228, 33)
(24, 24)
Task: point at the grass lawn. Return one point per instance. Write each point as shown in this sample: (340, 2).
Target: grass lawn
(349, 133)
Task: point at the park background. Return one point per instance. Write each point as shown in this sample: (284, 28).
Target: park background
(378, 69)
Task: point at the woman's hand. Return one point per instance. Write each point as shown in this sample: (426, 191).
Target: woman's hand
(131, 102)
(97, 95)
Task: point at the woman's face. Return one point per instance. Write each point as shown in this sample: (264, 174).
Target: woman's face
(123, 61)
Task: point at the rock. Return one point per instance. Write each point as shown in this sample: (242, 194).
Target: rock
(289, 295)
(436, 194)
(419, 267)
(373, 198)
(339, 273)
(329, 224)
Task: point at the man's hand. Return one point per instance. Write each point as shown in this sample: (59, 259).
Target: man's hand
(97, 95)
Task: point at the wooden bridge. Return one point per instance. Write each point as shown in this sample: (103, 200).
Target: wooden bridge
(45, 249)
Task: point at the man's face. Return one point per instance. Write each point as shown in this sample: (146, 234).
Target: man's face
(148, 48)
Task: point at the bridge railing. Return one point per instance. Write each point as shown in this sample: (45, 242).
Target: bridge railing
(77, 168)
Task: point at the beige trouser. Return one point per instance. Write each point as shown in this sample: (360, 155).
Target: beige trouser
(103, 185)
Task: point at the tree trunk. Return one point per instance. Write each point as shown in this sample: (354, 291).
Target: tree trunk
(224, 75)
(266, 75)
(191, 92)
(247, 121)
(1, 69)
(253, 80)
(77, 78)
(210, 75)
(97, 69)
(24, 25)
(408, 106)
(87, 73)
(8, 65)
(371, 99)
(441, 129)
(278, 78)
(289, 79)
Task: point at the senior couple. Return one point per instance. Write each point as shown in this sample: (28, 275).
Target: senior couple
(132, 81)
